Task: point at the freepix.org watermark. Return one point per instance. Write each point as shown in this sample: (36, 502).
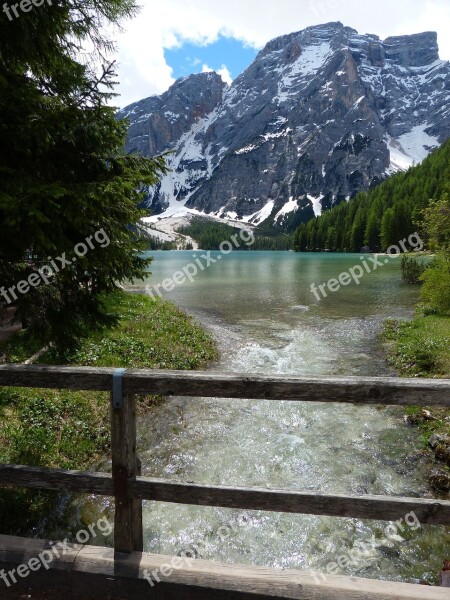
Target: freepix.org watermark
(201, 263)
(44, 274)
(364, 549)
(24, 6)
(370, 264)
(185, 558)
(45, 558)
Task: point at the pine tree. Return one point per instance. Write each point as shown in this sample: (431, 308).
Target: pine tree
(373, 229)
(358, 229)
(388, 229)
(63, 173)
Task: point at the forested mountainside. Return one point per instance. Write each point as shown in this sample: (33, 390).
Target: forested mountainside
(383, 216)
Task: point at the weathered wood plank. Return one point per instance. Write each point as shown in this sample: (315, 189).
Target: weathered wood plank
(97, 571)
(357, 390)
(56, 479)
(128, 533)
(49, 377)
(387, 508)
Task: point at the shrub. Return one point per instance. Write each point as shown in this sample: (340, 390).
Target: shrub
(436, 285)
(412, 269)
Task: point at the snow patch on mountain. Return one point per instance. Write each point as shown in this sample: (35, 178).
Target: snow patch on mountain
(399, 159)
(410, 148)
(260, 216)
(418, 143)
(287, 208)
(246, 149)
(316, 204)
(309, 62)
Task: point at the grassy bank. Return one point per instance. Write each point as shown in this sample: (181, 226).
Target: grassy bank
(421, 348)
(71, 429)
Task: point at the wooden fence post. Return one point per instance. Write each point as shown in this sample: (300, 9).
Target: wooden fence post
(128, 532)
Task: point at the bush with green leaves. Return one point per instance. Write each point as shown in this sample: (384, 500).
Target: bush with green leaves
(435, 290)
(436, 280)
(412, 269)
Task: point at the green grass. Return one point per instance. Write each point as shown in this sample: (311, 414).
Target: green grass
(71, 429)
(151, 334)
(19, 348)
(421, 348)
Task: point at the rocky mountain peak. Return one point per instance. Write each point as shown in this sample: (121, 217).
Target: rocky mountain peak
(416, 50)
(320, 115)
(313, 35)
(158, 122)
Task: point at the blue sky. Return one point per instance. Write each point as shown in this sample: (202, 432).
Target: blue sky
(167, 38)
(226, 55)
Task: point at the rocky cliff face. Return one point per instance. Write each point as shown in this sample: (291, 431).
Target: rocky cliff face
(319, 115)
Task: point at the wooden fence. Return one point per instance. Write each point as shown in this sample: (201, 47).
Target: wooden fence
(128, 488)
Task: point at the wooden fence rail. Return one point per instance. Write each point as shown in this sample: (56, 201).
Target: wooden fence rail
(354, 390)
(383, 508)
(129, 488)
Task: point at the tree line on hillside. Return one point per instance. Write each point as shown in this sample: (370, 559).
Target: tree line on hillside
(380, 217)
(157, 244)
(210, 234)
(274, 242)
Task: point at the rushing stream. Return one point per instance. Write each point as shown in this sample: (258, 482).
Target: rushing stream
(266, 320)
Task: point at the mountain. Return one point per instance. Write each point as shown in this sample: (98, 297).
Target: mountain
(318, 116)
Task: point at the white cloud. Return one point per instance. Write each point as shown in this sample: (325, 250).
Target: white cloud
(143, 70)
(224, 72)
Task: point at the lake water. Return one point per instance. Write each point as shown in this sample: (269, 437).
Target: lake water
(262, 312)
